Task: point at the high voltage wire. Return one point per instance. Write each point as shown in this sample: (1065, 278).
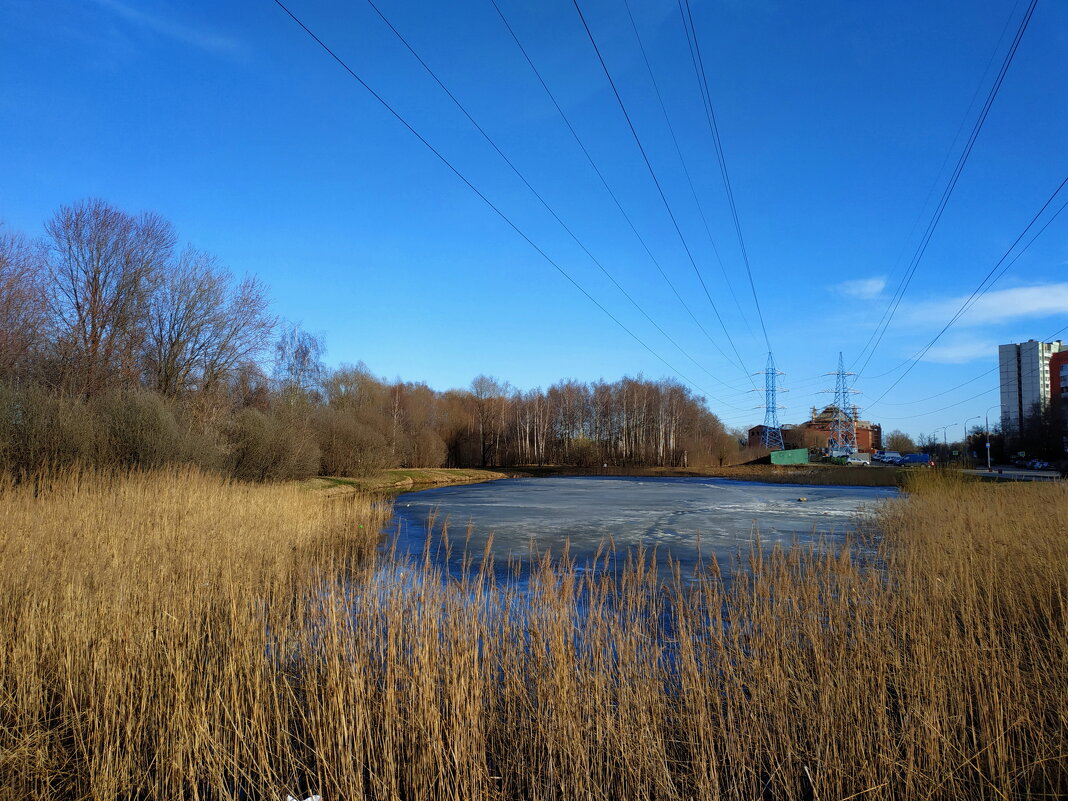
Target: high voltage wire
(537, 194)
(984, 286)
(906, 279)
(888, 314)
(604, 182)
(685, 167)
(934, 182)
(659, 188)
(943, 392)
(699, 66)
(400, 118)
(950, 406)
(1049, 338)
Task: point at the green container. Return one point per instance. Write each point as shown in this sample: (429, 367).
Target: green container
(793, 456)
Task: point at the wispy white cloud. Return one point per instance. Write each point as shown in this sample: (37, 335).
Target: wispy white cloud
(201, 38)
(961, 351)
(862, 288)
(1003, 305)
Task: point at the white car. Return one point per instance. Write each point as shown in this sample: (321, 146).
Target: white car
(854, 459)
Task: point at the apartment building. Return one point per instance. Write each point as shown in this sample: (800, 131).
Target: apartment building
(1025, 379)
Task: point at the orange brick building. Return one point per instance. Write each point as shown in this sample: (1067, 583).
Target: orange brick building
(815, 432)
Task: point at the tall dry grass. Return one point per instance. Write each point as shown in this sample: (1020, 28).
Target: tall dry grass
(174, 636)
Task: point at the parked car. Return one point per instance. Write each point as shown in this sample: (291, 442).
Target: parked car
(856, 460)
(921, 459)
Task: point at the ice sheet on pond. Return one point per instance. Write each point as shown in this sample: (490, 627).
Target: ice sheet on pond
(677, 515)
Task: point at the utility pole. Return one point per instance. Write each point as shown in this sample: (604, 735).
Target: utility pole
(989, 467)
(964, 445)
(945, 442)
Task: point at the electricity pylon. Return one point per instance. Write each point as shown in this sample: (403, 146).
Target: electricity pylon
(843, 438)
(771, 438)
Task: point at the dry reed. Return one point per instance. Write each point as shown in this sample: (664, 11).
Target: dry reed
(177, 636)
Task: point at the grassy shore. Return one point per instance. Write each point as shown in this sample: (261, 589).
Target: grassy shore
(179, 636)
(388, 482)
(821, 474)
(402, 480)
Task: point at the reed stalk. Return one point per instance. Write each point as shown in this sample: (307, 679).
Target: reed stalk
(174, 635)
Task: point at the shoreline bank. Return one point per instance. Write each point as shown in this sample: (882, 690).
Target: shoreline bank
(395, 481)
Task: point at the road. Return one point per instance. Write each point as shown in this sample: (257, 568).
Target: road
(1017, 473)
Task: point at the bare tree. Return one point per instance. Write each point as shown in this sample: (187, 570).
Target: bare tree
(23, 311)
(298, 365)
(899, 441)
(202, 326)
(103, 266)
(491, 400)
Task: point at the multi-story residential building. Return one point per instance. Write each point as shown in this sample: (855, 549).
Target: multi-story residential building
(1025, 379)
(1058, 378)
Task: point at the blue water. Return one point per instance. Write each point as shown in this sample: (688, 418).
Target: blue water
(690, 519)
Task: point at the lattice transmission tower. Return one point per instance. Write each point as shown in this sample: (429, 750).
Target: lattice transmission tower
(771, 438)
(843, 438)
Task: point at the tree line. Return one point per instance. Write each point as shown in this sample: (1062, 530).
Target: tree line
(119, 348)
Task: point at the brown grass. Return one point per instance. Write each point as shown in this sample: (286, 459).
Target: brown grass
(397, 480)
(177, 636)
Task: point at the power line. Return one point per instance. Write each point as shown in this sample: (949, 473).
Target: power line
(934, 180)
(711, 114)
(906, 279)
(943, 392)
(400, 118)
(981, 290)
(984, 286)
(604, 181)
(659, 188)
(944, 408)
(685, 167)
(545, 204)
(1049, 338)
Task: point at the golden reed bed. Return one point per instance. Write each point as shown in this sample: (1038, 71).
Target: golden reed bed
(176, 635)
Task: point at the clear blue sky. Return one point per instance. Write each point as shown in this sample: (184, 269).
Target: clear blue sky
(840, 123)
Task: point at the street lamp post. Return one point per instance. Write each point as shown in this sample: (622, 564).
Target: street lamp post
(965, 444)
(989, 468)
(945, 442)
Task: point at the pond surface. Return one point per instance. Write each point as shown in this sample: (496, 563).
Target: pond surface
(691, 519)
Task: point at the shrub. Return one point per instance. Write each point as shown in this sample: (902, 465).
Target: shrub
(264, 448)
(38, 429)
(348, 446)
(139, 429)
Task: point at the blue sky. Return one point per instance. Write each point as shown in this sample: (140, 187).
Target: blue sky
(840, 123)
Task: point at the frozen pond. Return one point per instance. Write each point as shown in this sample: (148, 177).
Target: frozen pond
(686, 517)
